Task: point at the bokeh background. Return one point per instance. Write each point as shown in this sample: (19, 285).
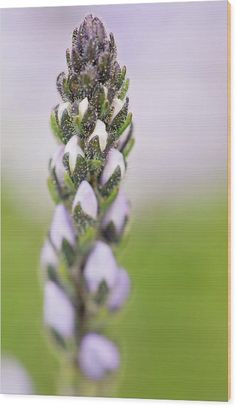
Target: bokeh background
(173, 332)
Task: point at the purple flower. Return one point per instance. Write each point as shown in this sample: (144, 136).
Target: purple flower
(114, 159)
(48, 255)
(62, 227)
(59, 314)
(118, 212)
(100, 266)
(86, 197)
(120, 292)
(57, 165)
(98, 356)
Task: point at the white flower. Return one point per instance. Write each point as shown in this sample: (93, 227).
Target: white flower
(100, 131)
(74, 149)
(120, 292)
(97, 356)
(62, 227)
(57, 164)
(117, 104)
(61, 108)
(86, 197)
(114, 159)
(83, 107)
(100, 266)
(59, 314)
(118, 212)
(48, 255)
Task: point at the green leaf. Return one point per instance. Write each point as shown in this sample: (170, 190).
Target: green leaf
(52, 187)
(124, 90)
(125, 124)
(128, 147)
(68, 252)
(55, 127)
(112, 184)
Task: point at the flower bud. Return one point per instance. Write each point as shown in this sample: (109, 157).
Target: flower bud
(74, 149)
(62, 227)
(61, 108)
(83, 107)
(98, 356)
(114, 159)
(117, 105)
(120, 292)
(48, 256)
(100, 131)
(100, 266)
(14, 377)
(58, 166)
(59, 313)
(86, 197)
(117, 213)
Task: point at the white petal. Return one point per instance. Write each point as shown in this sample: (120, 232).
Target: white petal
(115, 158)
(118, 212)
(86, 197)
(63, 106)
(100, 266)
(117, 104)
(120, 292)
(74, 149)
(62, 227)
(100, 131)
(59, 314)
(98, 356)
(83, 107)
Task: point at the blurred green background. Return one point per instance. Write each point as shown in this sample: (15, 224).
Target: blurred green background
(173, 332)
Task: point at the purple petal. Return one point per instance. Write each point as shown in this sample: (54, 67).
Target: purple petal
(118, 212)
(62, 227)
(120, 292)
(100, 266)
(114, 159)
(57, 164)
(98, 356)
(59, 314)
(48, 255)
(86, 197)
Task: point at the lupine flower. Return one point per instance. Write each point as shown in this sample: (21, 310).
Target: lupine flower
(62, 227)
(118, 213)
(59, 313)
(74, 150)
(120, 292)
(57, 165)
(48, 255)
(100, 131)
(100, 266)
(115, 159)
(92, 209)
(98, 356)
(86, 197)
